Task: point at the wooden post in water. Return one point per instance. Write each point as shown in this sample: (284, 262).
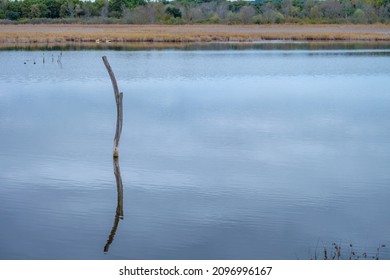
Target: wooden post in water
(119, 107)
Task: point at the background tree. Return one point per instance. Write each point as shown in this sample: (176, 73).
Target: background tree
(331, 9)
(246, 14)
(198, 11)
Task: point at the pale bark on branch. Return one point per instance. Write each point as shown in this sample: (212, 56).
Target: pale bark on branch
(119, 106)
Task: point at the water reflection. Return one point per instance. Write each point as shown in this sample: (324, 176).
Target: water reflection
(247, 158)
(119, 206)
(254, 45)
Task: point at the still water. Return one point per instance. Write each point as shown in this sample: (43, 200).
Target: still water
(244, 154)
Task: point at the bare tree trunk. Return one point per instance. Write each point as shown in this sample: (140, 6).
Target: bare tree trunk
(119, 107)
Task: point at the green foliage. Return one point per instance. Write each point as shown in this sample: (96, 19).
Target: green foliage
(214, 19)
(53, 7)
(117, 6)
(173, 11)
(120, 5)
(237, 5)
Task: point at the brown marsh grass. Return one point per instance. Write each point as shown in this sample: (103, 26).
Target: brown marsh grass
(100, 34)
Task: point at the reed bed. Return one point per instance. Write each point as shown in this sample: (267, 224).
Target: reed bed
(77, 33)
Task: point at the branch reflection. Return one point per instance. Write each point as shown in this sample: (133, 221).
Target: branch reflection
(119, 206)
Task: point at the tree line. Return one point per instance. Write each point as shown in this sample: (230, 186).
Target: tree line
(195, 11)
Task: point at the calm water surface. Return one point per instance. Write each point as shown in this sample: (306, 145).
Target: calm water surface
(245, 154)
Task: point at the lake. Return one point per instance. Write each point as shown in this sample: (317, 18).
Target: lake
(227, 154)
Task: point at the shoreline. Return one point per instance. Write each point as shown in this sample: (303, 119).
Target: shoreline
(59, 34)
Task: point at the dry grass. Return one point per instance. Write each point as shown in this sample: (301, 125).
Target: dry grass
(75, 33)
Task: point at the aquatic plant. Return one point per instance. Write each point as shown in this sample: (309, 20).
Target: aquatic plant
(348, 252)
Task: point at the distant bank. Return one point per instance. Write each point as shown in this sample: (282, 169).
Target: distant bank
(53, 34)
